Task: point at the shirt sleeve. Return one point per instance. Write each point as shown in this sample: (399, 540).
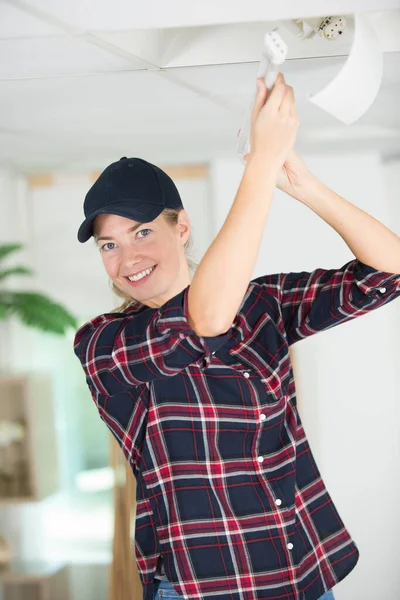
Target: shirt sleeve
(311, 302)
(119, 350)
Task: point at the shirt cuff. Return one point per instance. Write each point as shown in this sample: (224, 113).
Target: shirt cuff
(373, 282)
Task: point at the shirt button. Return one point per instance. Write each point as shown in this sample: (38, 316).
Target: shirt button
(263, 417)
(290, 546)
(260, 458)
(382, 290)
(278, 501)
(247, 375)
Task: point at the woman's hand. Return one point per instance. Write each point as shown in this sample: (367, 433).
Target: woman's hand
(294, 176)
(274, 123)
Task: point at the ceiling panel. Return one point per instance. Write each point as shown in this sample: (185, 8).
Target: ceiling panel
(114, 103)
(16, 23)
(57, 56)
(89, 120)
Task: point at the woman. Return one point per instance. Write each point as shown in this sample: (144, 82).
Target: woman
(193, 376)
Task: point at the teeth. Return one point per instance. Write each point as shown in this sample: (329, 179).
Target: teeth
(140, 275)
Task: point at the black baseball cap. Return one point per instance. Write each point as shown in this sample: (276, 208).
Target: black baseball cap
(131, 188)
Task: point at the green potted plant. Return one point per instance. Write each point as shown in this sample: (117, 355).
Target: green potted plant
(33, 309)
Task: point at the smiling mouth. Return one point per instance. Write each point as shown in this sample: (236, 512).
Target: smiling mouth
(142, 279)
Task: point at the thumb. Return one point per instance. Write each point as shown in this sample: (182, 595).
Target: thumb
(260, 98)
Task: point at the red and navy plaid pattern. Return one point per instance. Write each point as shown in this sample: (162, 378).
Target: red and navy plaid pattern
(228, 491)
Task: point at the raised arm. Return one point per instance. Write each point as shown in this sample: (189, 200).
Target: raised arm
(314, 301)
(223, 275)
(371, 242)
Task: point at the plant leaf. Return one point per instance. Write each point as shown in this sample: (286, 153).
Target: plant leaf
(4, 310)
(6, 249)
(15, 271)
(41, 312)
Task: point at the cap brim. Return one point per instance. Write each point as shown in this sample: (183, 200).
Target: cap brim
(143, 213)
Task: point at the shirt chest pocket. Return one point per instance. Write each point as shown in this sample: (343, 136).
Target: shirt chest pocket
(264, 361)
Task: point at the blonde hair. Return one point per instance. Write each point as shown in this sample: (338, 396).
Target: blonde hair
(171, 216)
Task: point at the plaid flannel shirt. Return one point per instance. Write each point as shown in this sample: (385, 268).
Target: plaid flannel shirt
(228, 491)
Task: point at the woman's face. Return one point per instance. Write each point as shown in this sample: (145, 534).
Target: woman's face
(131, 248)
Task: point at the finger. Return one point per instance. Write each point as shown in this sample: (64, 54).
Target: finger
(288, 105)
(277, 93)
(292, 109)
(290, 102)
(260, 98)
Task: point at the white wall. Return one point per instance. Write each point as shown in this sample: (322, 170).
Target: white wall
(345, 377)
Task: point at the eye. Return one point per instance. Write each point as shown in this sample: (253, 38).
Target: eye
(107, 244)
(141, 231)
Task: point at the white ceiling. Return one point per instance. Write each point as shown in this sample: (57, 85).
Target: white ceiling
(80, 87)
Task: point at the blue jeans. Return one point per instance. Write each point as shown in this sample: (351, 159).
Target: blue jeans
(166, 592)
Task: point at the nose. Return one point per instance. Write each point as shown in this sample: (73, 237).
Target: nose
(129, 259)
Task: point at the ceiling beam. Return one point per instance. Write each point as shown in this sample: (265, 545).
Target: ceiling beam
(159, 14)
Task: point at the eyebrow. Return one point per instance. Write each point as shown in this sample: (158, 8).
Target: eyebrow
(130, 230)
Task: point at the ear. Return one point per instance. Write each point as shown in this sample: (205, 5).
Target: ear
(183, 225)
